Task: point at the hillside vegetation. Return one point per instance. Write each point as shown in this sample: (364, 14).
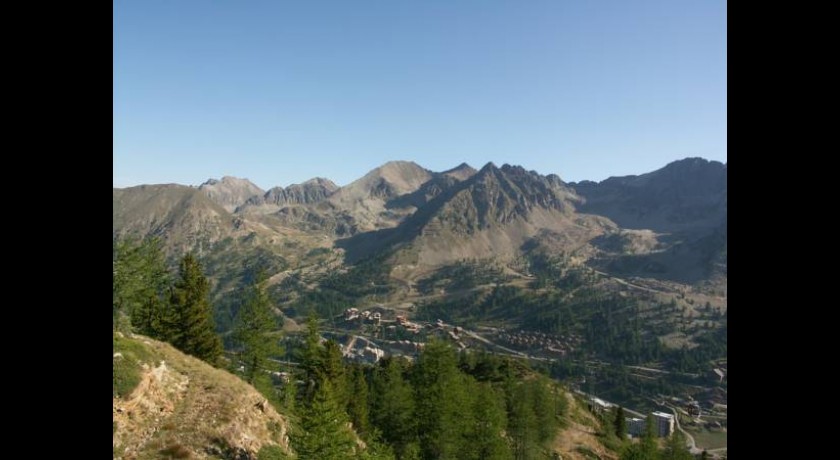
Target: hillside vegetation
(171, 405)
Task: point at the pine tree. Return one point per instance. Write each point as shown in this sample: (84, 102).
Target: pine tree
(126, 282)
(484, 440)
(311, 356)
(522, 423)
(325, 432)
(253, 324)
(392, 407)
(154, 313)
(648, 442)
(620, 423)
(140, 283)
(542, 406)
(193, 331)
(443, 411)
(332, 369)
(357, 406)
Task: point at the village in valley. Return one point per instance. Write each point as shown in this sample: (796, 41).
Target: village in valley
(371, 334)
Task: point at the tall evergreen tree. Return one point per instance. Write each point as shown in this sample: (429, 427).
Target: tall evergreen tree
(325, 432)
(126, 282)
(253, 324)
(154, 315)
(522, 423)
(620, 423)
(140, 284)
(392, 407)
(484, 440)
(332, 369)
(648, 449)
(443, 412)
(311, 357)
(542, 406)
(357, 406)
(194, 331)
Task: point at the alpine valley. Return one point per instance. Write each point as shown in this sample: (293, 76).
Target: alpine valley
(616, 288)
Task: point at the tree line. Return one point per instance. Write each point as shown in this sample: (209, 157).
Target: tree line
(173, 307)
(445, 405)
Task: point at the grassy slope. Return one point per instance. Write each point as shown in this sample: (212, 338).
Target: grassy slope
(182, 407)
(582, 435)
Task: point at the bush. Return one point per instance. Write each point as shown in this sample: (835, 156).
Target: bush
(271, 452)
(126, 376)
(127, 371)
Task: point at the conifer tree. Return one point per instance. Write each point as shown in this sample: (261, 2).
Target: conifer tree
(485, 439)
(311, 357)
(649, 436)
(139, 284)
(522, 423)
(443, 411)
(332, 369)
(325, 432)
(392, 407)
(193, 331)
(153, 314)
(357, 406)
(620, 424)
(253, 324)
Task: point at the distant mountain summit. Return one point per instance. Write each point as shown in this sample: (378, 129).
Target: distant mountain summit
(685, 195)
(496, 211)
(230, 192)
(182, 216)
(461, 172)
(390, 180)
(312, 191)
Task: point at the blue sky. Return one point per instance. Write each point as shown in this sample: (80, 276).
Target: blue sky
(280, 91)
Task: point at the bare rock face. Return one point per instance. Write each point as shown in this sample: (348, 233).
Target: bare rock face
(309, 192)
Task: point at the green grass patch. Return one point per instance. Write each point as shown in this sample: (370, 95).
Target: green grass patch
(126, 376)
(708, 439)
(270, 452)
(127, 369)
(610, 441)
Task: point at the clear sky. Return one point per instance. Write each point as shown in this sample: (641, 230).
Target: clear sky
(282, 91)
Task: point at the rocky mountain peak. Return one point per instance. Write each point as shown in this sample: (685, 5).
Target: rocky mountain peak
(230, 192)
(461, 172)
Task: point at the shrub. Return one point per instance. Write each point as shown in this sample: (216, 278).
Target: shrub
(271, 452)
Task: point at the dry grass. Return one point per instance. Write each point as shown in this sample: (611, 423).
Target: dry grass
(185, 408)
(579, 440)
